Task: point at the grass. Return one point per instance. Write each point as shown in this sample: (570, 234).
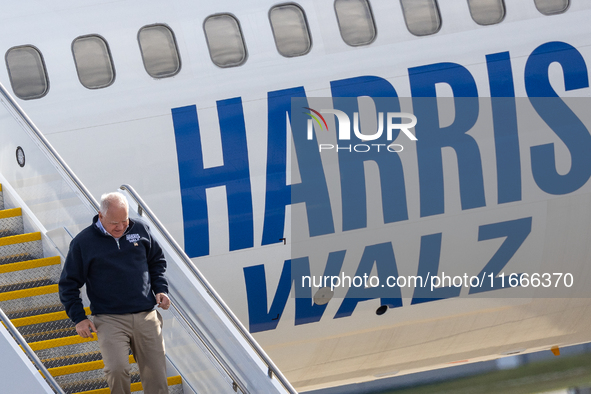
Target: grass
(559, 373)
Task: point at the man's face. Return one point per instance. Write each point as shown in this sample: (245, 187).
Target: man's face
(116, 219)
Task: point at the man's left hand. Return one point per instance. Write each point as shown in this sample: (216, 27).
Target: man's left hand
(163, 301)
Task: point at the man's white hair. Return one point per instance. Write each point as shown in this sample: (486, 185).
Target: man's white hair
(112, 198)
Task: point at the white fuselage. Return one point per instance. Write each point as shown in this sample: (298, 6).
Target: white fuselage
(126, 134)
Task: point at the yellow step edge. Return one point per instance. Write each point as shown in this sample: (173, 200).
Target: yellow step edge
(83, 367)
(60, 342)
(10, 213)
(0, 187)
(17, 239)
(34, 291)
(47, 317)
(25, 265)
(172, 381)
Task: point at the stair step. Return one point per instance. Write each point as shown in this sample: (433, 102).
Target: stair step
(29, 264)
(90, 380)
(8, 233)
(65, 361)
(10, 213)
(81, 367)
(17, 239)
(26, 293)
(47, 317)
(174, 387)
(16, 258)
(48, 330)
(37, 305)
(53, 357)
(27, 285)
(32, 273)
(51, 343)
(24, 244)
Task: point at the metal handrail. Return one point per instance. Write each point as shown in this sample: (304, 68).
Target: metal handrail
(272, 368)
(19, 338)
(62, 164)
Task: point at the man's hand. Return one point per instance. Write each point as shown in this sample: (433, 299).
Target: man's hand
(163, 301)
(83, 328)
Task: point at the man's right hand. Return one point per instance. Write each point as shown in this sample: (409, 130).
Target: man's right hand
(83, 328)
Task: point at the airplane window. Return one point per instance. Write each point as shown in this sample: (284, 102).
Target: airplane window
(224, 39)
(551, 7)
(290, 30)
(159, 51)
(27, 72)
(93, 62)
(421, 16)
(487, 12)
(355, 21)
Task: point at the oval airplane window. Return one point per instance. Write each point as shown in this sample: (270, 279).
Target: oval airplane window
(27, 73)
(159, 51)
(487, 12)
(93, 62)
(421, 16)
(355, 21)
(290, 30)
(551, 7)
(224, 39)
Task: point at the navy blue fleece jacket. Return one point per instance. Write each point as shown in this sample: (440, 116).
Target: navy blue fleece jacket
(120, 276)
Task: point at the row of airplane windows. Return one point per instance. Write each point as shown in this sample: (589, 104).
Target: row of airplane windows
(227, 48)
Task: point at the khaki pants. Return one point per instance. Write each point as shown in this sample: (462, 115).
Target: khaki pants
(142, 333)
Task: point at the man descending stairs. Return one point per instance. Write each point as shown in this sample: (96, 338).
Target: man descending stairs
(29, 297)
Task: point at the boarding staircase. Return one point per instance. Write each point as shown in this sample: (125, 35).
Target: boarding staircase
(43, 206)
(29, 298)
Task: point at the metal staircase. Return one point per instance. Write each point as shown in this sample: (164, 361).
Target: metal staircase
(206, 344)
(29, 298)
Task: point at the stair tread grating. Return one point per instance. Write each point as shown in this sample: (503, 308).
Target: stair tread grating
(46, 326)
(90, 380)
(10, 246)
(48, 330)
(11, 223)
(28, 274)
(65, 355)
(16, 258)
(63, 332)
(35, 305)
(72, 360)
(8, 233)
(27, 285)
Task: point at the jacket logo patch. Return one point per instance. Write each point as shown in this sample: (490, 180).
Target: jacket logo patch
(132, 237)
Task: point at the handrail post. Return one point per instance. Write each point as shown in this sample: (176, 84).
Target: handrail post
(30, 353)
